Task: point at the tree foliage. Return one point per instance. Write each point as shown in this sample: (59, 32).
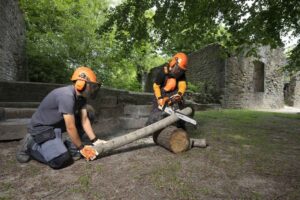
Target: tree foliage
(124, 42)
(187, 25)
(294, 60)
(61, 35)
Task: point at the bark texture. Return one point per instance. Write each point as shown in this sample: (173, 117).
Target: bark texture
(140, 133)
(174, 139)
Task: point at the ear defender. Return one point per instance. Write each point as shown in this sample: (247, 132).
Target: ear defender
(80, 85)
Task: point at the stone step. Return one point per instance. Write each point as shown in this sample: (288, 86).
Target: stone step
(11, 113)
(109, 112)
(137, 111)
(19, 104)
(105, 127)
(13, 129)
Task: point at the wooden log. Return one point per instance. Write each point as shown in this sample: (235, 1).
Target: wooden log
(201, 143)
(174, 139)
(140, 133)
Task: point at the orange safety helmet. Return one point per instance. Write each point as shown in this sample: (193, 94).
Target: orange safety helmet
(82, 75)
(180, 59)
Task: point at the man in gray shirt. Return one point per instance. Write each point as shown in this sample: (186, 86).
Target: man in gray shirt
(62, 110)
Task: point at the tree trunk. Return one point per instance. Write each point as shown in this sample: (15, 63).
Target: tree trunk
(174, 139)
(140, 133)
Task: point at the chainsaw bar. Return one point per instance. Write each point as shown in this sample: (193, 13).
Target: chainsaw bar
(185, 118)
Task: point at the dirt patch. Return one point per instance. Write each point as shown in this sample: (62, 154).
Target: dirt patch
(245, 160)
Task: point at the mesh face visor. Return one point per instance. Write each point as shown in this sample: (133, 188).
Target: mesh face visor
(176, 71)
(93, 89)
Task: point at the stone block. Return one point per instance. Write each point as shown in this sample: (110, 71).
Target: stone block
(109, 112)
(11, 113)
(105, 102)
(19, 104)
(107, 127)
(132, 123)
(137, 111)
(13, 129)
(136, 98)
(2, 114)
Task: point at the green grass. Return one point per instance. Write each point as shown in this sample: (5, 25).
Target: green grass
(261, 137)
(247, 149)
(167, 178)
(251, 155)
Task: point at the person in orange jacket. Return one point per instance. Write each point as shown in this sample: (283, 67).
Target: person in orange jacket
(64, 109)
(169, 87)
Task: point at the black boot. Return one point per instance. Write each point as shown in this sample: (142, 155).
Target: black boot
(23, 149)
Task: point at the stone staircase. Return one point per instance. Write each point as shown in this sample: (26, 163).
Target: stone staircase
(14, 117)
(130, 118)
(113, 119)
(112, 122)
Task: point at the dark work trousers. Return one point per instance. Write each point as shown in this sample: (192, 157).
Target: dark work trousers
(57, 152)
(157, 114)
(52, 152)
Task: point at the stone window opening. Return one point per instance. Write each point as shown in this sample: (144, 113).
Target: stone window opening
(259, 76)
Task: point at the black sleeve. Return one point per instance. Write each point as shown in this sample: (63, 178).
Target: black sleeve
(182, 78)
(160, 77)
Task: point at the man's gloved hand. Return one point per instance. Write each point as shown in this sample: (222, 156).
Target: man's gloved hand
(176, 98)
(88, 152)
(98, 141)
(160, 101)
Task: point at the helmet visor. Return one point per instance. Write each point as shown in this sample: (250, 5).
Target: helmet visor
(93, 89)
(176, 71)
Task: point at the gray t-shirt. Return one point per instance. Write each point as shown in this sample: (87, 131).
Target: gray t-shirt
(50, 112)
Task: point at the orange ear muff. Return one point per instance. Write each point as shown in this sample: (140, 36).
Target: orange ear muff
(170, 85)
(80, 85)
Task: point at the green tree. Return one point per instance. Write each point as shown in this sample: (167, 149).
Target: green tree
(61, 34)
(293, 65)
(187, 25)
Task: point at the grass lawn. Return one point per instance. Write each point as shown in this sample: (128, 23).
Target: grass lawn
(251, 155)
(261, 144)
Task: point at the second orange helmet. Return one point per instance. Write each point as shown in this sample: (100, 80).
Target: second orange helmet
(181, 59)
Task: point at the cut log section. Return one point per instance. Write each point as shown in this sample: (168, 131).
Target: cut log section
(174, 139)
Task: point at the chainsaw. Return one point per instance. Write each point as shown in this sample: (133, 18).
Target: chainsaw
(170, 111)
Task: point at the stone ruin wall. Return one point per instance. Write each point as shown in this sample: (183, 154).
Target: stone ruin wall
(293, 91)
(12, 41)
(206, 69)
(255, 82)
(237, 81)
